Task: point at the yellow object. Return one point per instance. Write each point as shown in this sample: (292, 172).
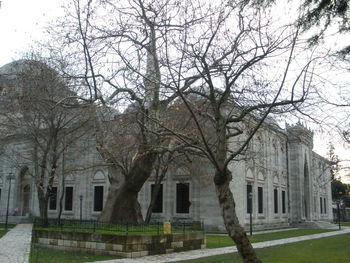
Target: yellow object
(167, 227)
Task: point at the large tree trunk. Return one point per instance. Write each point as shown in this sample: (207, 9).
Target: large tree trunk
(122, 204)
(43, 206)
(234, 229)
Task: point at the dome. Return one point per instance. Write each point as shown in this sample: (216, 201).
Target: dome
(9, 73)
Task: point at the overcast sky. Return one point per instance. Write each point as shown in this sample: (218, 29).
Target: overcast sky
(22, 22)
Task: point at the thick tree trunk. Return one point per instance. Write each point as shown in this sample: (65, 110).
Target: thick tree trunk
(43, 207)
(122, 204)
(234, 229)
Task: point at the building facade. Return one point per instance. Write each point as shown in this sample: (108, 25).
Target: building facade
(279, 182)
(285, 185)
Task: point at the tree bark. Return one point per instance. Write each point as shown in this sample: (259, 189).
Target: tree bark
(43, 206)
(233, 227)
(122, 204)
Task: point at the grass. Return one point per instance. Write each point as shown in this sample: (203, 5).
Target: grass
(2, 229)
(2, 233)
(216, 241)
(2, 226)
(45, 255)
(325, 250)
(345, 223)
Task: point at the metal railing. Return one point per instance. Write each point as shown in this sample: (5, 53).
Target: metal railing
(116, 228)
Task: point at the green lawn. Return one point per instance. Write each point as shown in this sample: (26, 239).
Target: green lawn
(45, 255)
(345, 223)
(2, 227)
(326, 250)
(2, 232)
(8, 225)
(215, 241)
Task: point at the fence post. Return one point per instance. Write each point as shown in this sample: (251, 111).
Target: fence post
(127, 228)
(94, 225)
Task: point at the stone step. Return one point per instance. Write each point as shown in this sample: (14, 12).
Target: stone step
(16, 219)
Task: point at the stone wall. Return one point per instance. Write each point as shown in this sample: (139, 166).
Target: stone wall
(131, 246)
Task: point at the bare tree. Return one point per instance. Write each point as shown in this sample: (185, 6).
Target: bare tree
(228, 63)
(234, 54)
(35, 115)
(123, 65)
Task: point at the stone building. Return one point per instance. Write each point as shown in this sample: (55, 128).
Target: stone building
(280, 182)
(284, 183)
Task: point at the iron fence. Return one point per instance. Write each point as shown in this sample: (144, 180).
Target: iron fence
(117, 228)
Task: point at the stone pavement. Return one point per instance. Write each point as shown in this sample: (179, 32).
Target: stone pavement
(15, 245)
(200, 253)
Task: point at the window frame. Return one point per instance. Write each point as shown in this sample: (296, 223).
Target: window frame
(284, 201)
(49, 206)
(275, 201)
(260, 200)
(65, 200)
(249, 201)
(162, 196)
(189, 198)
(94, 198)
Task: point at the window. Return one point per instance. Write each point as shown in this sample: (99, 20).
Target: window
(249, 198)
(68, 198)
(260, 200)
(183, 198)
(283, 202)
(53, 199)
(321, 207)
(98, 198)
(324, 205)
(158, 204)
(275, 199)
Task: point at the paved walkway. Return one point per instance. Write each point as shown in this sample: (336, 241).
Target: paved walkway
(200, 253)
(15, 245)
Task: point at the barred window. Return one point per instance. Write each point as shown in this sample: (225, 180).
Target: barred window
(98, 198)
(283, 202)
(183, 198)
(249, 198)
(158, 204)
(53, 199)
(260, 200)
(68, 198)
(275, 198)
